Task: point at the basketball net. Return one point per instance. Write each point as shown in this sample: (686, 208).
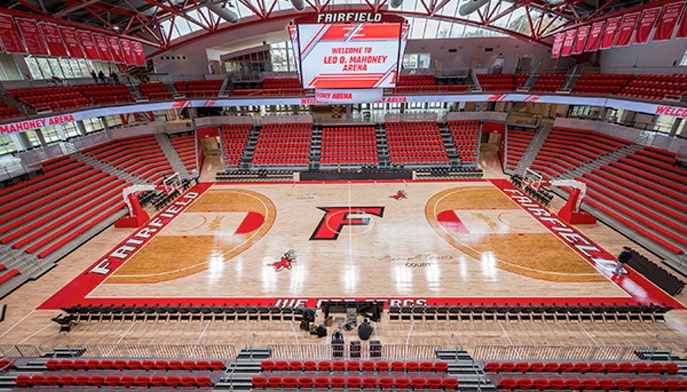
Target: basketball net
(532, 179)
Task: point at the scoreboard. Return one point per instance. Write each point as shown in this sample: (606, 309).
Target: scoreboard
(345, 55)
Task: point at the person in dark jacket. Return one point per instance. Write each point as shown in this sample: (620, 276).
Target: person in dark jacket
(623, 258)
(365, 329)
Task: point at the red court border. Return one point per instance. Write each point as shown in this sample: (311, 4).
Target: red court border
(639, 289)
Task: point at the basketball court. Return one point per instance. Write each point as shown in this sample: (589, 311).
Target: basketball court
(405, 242)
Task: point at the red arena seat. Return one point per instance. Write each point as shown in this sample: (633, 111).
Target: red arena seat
(450, 383)
(259, 382)
(274, 382)
(368, 366)
(441, 367)
(305, 382)
(266, 365)
(434, 383)
(508, 383)
(295, 366)
(370, 382)
(402, 382)
(382, 366)
(353, 366)
(353, 382)
(324, 366)
(322, 382)
(386, 382)
(338, 382)
(289, 382)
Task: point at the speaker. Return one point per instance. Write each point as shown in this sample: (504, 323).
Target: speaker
(299, 5)
(355, 349)
(471, 6)
(375, 349)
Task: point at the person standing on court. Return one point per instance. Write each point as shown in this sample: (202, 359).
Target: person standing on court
(623, 258)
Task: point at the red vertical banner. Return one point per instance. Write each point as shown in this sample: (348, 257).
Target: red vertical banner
(682, 29)
(115, 49)
(669, 17)
(129, 57)
(627, 27)
(71, 42)
(568, 42)
(103, 48)
(10, 36)
(594, 39)
(32, 37)
(53, 39)
(581, 39)
(646, 24)
(557, 45)
(609, 33)
(137, 48)
(88, 45)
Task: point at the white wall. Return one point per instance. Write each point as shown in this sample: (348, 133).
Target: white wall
(644, 58)
(192, 58)
(467, 49)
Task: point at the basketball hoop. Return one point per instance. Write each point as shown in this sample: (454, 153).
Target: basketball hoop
(173, 183)
(532, 179)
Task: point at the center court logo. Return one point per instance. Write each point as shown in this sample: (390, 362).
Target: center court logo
(335, 218)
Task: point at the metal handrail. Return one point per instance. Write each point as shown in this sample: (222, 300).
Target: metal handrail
(527, 352)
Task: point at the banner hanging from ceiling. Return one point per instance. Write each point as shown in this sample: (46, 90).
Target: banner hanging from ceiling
(581, 39)
(646, 24)
(668, 21)
(626, 28)
(568, 42)
(557, 45)
(115, 49)
(71, 42)
(609, 33)
(128, 54)
(594, 39)
(32, 37)
(88, 44)
(53, 39)
(103, 48)
(10, 36)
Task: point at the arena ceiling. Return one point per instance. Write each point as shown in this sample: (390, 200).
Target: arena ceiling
(164, 24)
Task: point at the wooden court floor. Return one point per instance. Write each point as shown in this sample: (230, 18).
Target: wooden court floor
(215, 252)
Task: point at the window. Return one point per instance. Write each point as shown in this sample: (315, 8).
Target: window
(47, 67)
(416, 60)
(113, 121)
(664, 124)
(683, 62)
(8, 68)
(34, 141)
(50, 134)
(94, 124)
(6, 145)
(71, 129)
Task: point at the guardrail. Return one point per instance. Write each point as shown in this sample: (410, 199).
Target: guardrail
(348, 351)
(609, 353)
(155, 350)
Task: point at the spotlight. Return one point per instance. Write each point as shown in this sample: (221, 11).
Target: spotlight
(396, 3)
(299, 5)
(222, 11)
(471, 6)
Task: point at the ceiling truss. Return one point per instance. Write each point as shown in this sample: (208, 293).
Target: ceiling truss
(143, 20)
